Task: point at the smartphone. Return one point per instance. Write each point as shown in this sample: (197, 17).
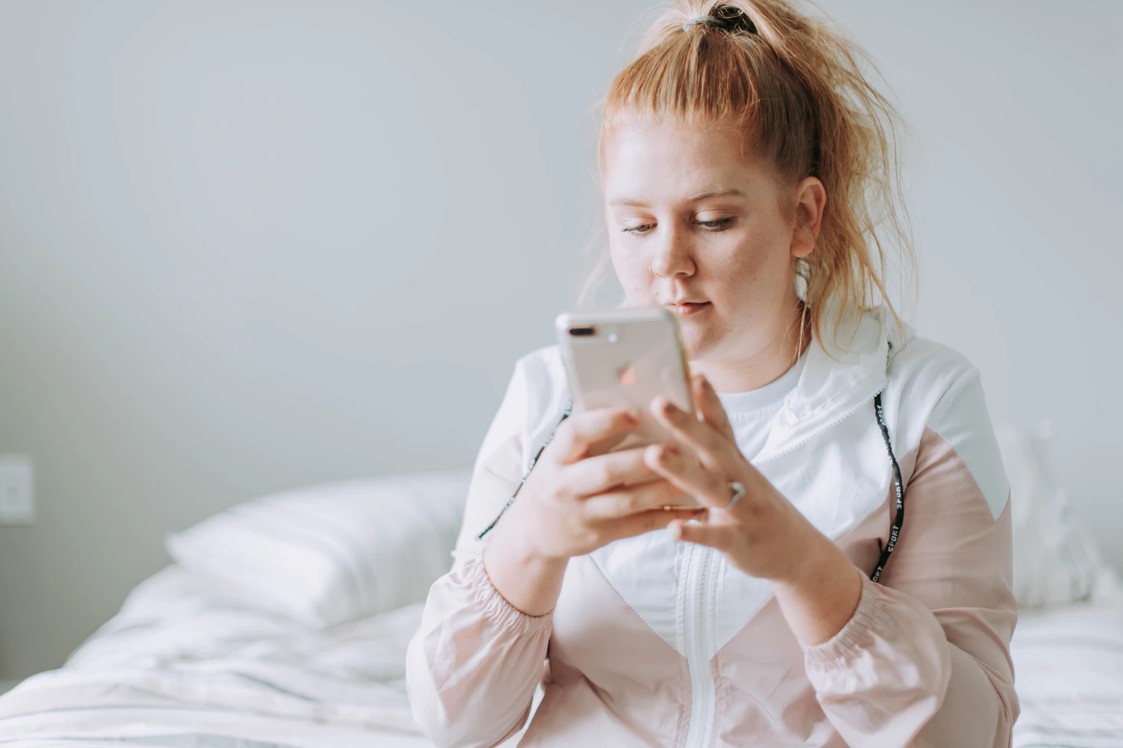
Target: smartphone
(625, 358)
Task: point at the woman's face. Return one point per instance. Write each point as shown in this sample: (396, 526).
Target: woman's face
(696, 225)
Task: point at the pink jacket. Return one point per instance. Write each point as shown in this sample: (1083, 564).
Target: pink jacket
(662, 643)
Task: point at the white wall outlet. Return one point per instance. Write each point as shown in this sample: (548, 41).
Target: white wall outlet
(17, 490)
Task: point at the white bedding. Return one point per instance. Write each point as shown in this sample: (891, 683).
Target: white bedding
(180, 665)
(1068, 668)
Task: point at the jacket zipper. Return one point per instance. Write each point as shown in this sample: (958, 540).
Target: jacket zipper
(698, 639)
(698, 624)
(699, 602)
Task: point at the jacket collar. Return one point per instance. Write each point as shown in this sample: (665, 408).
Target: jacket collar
(843, 372)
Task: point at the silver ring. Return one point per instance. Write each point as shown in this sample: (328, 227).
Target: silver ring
(736, 491)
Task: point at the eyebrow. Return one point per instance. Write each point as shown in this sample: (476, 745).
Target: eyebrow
(691, 199)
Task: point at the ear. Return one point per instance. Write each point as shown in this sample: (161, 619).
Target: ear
(811, 202)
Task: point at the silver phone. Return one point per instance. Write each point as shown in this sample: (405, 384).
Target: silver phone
(625, 358)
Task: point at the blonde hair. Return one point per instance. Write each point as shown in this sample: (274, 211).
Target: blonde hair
(796, 90)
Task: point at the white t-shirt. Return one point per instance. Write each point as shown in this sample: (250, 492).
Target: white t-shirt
(749, 412)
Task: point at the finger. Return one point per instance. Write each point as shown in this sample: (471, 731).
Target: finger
(710, 407)
(682, 468)
(722, 537)
(601, 473)
(580, 433)
(638, 524)
(710, 446)
(654, 494)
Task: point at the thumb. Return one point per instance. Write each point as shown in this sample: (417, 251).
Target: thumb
(709, 406)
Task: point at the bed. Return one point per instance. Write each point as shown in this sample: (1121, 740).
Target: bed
(182, 664)
(283, 622)
(1069, 674)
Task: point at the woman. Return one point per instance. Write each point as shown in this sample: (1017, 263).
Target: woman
(746, 164)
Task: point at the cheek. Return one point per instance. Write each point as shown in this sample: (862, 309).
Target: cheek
(631, 270)
(752, 272)
(752, 264)
(761, 256)
(737, 260)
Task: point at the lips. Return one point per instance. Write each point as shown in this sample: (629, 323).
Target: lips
(684, 308)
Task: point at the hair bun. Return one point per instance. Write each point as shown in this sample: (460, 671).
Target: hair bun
(728, 18)
(733, 19)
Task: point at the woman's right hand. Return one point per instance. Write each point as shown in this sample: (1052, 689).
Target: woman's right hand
(579, 496)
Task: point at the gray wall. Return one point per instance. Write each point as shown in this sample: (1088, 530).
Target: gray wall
(250, 245)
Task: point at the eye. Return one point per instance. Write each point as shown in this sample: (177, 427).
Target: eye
(638, 229)
(718, 224)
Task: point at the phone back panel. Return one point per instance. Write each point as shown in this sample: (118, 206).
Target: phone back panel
(630, 357)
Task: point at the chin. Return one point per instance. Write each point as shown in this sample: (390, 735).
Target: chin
(696, 343)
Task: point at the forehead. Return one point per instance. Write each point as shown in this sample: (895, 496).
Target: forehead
(672, 161)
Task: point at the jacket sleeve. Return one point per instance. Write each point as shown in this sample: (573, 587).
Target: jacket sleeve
(472, 667)
(925, 659)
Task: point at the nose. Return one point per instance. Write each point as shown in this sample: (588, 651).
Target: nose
(673, 255)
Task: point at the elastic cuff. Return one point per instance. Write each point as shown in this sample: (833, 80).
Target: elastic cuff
(851, 638)
(495, 606)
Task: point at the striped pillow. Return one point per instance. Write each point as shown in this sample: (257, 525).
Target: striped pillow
(329, 554)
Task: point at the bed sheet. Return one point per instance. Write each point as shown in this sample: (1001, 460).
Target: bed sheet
(1068, 670)
(182, 665)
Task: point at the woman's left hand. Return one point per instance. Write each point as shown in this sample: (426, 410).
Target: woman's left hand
(762, 534)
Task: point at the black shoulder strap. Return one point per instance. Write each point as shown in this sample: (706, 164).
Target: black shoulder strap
(899, 488)
(550, 438)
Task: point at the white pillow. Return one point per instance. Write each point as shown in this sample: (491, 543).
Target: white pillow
(1056, 561)
(328, 554)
